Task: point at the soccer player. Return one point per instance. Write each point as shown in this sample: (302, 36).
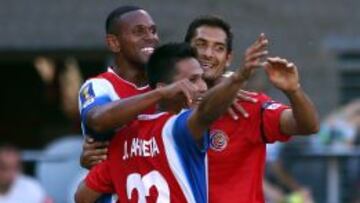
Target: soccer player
(115, 97)
(237, 147)
(161, 157)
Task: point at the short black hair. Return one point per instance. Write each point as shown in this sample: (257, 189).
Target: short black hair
(161, 66)
(211, 21)
(111, 20)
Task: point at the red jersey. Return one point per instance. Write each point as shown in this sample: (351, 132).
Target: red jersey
(146, 163)
(238, 149)
(105, 88)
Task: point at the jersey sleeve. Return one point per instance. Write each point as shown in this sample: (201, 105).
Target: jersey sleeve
(192, 155)
(94, 92)
(270, 124)
(183, 137)
(99, 178)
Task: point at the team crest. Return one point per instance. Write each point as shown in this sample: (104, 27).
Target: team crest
(218, 140)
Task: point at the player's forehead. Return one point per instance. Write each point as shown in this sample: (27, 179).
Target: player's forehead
(136, 18)
(210, 34)
(188, 67)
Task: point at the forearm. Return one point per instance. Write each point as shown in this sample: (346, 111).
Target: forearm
(86, 195)
(304, 118)
(218, 99)
(118, 113)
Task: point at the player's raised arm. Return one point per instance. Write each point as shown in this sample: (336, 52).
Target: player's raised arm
(302, 118)
(218, 99)
(103, 118)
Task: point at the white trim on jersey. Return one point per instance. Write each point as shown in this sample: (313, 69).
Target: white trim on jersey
(130, 83)
(146, 117)
(100, 87)
(174, 160)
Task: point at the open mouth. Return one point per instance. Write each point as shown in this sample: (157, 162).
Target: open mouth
(147, 50)
(206, 65)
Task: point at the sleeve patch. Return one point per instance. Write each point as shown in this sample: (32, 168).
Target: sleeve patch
(271, 105)
(87, 95)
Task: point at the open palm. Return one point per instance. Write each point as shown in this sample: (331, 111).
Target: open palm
(282, 74)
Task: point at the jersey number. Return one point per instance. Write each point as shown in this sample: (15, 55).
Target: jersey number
(143, 184)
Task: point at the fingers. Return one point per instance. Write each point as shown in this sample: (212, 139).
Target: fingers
(279, 62)
(188, 91)
(258, 46)
(90, 144)
(93, 153)
(255, 54)
(241, 91)
(246, 96)
(232, 113)
(240, 109)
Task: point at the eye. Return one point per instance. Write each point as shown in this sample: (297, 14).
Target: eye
(139, 31)
(220, 48)
(153, 29)
(200, 44)
(193, 79)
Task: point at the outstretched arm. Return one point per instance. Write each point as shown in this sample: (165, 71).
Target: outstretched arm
(302, 118)
(218, 99)
(107, 116)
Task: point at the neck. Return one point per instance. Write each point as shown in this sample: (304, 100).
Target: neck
(131, 72)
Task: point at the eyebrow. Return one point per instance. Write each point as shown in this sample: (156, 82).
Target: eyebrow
(204, 40)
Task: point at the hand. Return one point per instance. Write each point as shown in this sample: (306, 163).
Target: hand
(253, 56)
(282, 74)
(236, 107)
(93, 152)
(183, 88)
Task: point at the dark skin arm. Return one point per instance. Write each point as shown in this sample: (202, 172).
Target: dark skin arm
(86, 195)
(117, 113)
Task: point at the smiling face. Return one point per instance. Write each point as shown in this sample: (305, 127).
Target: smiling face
(136, 37)
(213, 53)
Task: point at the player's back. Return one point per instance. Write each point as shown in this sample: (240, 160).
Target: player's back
(140, 167)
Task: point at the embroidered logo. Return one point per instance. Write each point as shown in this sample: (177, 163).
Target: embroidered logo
(218, 140)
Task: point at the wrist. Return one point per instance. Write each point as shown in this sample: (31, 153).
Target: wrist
(160, 92)
(294, 90)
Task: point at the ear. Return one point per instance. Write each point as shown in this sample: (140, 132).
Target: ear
(113, 43)
(229, 59)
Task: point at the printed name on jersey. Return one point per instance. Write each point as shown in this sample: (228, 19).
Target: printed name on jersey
(140, 148)
(271, 105)
(218, 140)
(87, 95)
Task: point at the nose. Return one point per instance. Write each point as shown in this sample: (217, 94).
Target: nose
(151, 36)
(202, 87)
(205, 52)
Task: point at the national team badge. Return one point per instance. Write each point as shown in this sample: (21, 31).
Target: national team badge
(218, 140)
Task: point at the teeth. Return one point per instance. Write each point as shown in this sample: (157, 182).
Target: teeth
(206, 64)
(147, 50)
